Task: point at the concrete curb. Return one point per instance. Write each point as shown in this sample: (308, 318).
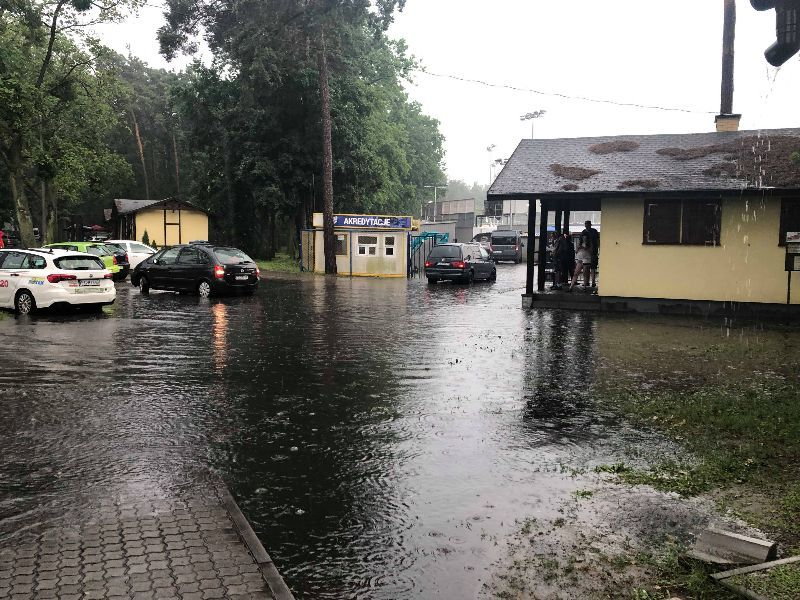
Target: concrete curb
(277, 586)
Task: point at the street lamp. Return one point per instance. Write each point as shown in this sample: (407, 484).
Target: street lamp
(532, 116)
(489, 150)
(435, 188)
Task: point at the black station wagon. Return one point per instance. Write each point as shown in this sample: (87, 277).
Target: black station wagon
(459, 262)
(197, 267)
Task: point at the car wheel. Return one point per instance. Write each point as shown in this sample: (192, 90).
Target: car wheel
(493, 276)
(24, 303)
(469, 279)
(204, 289)
(432, 280)
(144, 285)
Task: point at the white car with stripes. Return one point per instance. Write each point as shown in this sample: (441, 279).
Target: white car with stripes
(41, 278)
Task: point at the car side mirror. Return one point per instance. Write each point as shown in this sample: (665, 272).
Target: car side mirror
(155, 261)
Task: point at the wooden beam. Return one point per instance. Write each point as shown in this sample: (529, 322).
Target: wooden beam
(542, 246)
(559, 214)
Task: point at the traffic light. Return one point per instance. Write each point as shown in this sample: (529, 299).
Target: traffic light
(787, 29)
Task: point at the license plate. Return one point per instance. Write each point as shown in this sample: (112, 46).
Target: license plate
(442, 264)
(242, 277)
(84, 282)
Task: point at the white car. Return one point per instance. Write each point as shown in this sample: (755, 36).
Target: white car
(137, 251)
(31, 279)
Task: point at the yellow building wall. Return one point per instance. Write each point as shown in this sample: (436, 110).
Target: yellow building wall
(379, 265)
(747, 266)
(151, 221)
(194, 226)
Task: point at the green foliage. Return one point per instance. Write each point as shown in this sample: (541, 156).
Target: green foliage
(146, 238)
(795, 156)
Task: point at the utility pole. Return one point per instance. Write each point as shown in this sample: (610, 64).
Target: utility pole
(728, 38)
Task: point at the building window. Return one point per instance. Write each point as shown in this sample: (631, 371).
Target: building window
(341, 244)
(790, 218)
(368, 245)
(683, 222)
(388, 243)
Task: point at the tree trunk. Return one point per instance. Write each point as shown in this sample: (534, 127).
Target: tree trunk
(177, 166)
(230, 197)
(52, 231)
(327, 161)
(140, 147)
(21, 206)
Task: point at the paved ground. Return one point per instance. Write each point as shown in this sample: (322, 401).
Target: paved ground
(136, 546)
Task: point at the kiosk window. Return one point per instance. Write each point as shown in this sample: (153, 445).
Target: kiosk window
(368, 245)
(341, 244)
(388, 243)
(790, 218)
(682, 222)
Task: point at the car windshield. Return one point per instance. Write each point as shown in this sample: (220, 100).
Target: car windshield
(505, 240)
(445, 252)
(78, 263)
(231, 256)
(97, 250)
(113, 248)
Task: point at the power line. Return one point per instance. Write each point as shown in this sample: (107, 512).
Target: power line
(565, 96)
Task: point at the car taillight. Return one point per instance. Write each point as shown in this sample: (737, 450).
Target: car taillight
(126, 257)
(219, 271)
(458, 264)
(56, 277)
(114, 258)
(258, 272)
(490, 248)
(429, 263)
(516, 248)
(108, 276)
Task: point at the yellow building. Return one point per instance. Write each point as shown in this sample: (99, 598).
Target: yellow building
(366, 245)
(690, 222)
(167, 222)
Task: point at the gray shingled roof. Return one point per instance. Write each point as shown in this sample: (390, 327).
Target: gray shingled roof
(126, 206)
(633, 163)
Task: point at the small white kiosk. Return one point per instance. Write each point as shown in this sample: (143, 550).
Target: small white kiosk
(366, 245)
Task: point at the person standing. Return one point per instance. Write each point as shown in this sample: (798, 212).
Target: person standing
(583, 259)
(593, 246)
(2, 241)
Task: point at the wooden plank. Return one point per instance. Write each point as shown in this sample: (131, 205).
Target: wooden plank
(542, 247)
(755, 568)
(715, 545)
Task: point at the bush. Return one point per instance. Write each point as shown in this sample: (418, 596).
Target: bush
(146, 238)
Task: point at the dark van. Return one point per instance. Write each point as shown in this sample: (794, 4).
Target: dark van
(459, 262)
(506, 245)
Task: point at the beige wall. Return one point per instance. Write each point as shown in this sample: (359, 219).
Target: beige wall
(379, 265)
(747, 266)
(194, 226)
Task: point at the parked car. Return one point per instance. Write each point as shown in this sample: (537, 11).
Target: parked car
(40, 278)
(506, 245)
(459, 262)
(109, 256)
(137, 251)
(197, 267)
(484, 239)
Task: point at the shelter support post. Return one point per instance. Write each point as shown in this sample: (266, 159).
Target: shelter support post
(531, 257)
(566, 221)
(542, 246)
(559, 214)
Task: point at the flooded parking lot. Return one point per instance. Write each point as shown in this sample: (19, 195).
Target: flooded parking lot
(383, 437)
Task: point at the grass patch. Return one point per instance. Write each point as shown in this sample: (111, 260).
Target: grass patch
(674, 572)
(744, 434)
(282, 263)
(779, 583)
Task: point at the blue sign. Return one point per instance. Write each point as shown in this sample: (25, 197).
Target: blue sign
(375, 222)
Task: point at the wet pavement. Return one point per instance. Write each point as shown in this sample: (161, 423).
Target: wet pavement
(383, 437)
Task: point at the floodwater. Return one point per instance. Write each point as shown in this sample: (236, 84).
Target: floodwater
(381, 436)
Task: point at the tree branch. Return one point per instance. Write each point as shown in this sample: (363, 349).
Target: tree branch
(49, 55)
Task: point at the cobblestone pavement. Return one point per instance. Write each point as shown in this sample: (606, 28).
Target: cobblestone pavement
(143, 547)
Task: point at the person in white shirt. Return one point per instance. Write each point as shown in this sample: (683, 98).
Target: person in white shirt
(583, 263)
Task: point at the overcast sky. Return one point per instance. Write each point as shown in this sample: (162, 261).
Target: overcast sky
(636, 51)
